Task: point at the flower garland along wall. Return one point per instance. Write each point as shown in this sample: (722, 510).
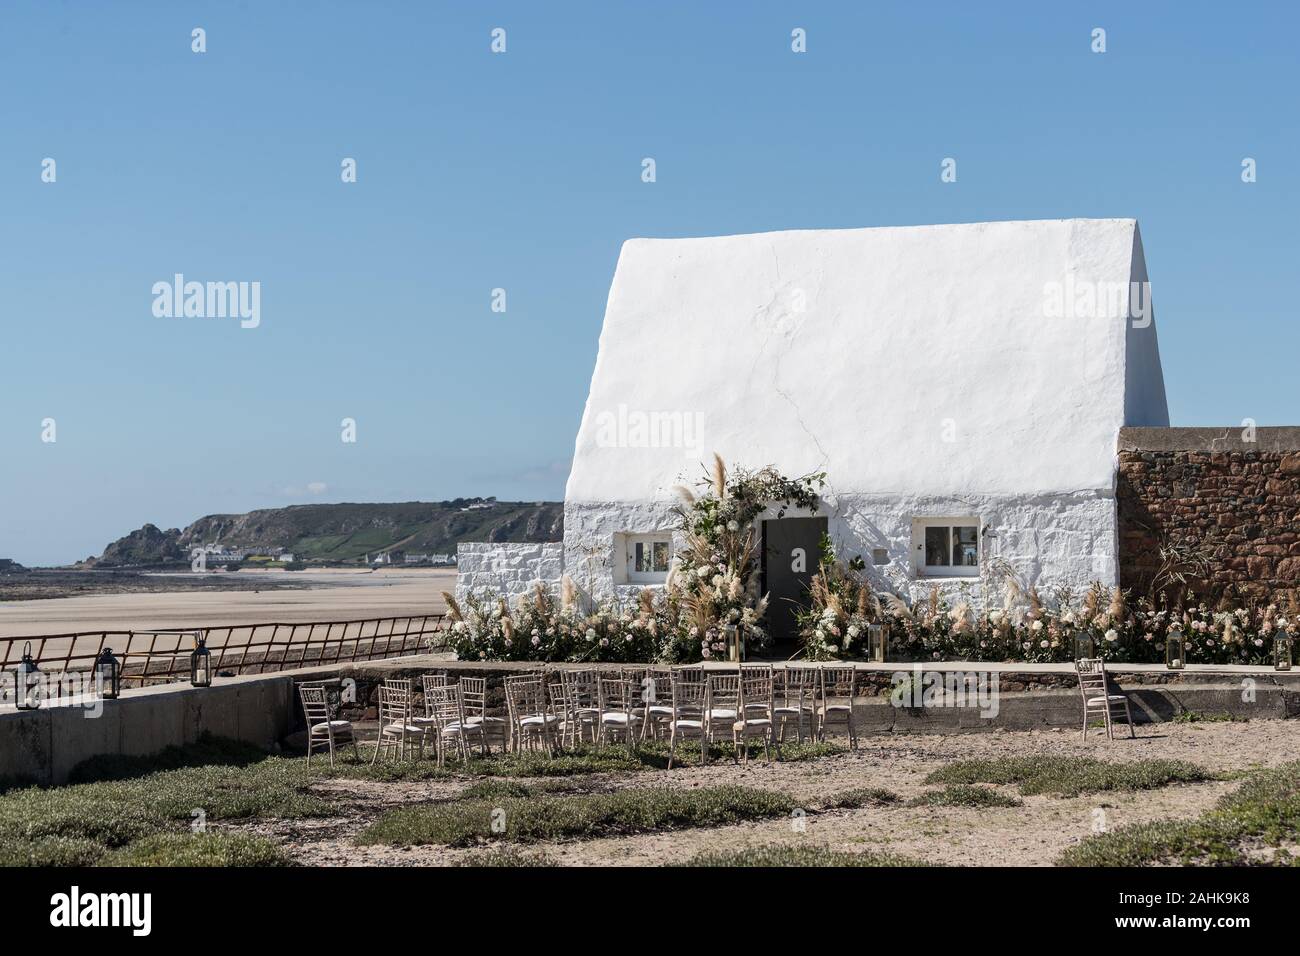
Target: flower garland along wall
(1026, 628)
(714, 582)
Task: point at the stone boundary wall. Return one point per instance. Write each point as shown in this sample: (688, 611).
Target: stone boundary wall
(1238, 499)
(507, 568)
(1027, 699)
(42, 746)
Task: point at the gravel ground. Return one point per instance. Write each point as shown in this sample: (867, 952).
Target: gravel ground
(1029, 835)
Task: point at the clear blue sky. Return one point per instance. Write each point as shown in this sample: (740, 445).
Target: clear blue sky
(522, 171)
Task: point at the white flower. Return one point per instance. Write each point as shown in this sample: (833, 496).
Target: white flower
(1037, 626)
(703, 571)
(591, 635)
(854, 630)
(536, 640)
(1112, 636)
(1043, 644)
(733, 525)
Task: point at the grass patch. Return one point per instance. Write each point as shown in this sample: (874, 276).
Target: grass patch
(464, 822)
(1248, 826)
(208, 751)
(76, 825)
(582, 760)
(964, 795)
(506, 856)
(860, 797)
(199, 849)
(777, 855)
(1207, 717)
(1070, 776)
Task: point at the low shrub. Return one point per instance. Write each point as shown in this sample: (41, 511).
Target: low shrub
(860, 797)
(964, 795)
(1070, 776)
(199, 849)
(505, 856)
(778, 855)
(463, 822)
(1263, 814)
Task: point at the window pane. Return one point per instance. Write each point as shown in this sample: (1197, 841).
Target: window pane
(661, 555)
(640, 563)
(965, 547)
(936, 547)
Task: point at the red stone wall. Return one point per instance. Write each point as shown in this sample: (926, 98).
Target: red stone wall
(1238, 500)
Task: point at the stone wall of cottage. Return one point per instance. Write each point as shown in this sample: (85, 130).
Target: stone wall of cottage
(507, 568)
(1235, 493)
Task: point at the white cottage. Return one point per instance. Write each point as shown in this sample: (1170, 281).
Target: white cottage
(963, 387)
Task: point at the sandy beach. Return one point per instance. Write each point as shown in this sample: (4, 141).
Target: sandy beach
(329, 596)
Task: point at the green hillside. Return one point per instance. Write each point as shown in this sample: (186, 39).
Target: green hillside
(346, 532)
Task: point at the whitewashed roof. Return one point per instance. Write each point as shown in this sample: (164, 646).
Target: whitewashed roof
(862, 351)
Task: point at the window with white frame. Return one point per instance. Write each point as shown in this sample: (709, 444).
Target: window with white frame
(946, 547)
(646, 557)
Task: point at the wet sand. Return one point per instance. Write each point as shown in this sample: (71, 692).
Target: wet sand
(330, 596)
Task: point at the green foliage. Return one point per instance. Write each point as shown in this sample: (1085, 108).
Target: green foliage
(860, 797)
(208, 751)
(964, 795)
(804, 856)
(464, 822)
(584, 759)
(1263, 814)
(199, 849)
(506, 857)
(1070, 776)
(1206, 717)
(77, 823)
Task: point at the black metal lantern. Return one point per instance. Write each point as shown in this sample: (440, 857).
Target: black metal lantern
(27, 681)
(1085, 648)
(201, 663)
(877, 642)
(1281, 651)
(1175, 648)
(108, 674)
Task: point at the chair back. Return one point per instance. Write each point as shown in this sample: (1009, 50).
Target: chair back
(444, 705)
(619, 694)
(394, 706)
(583, 687)
(689, 697)
(1092, 677)
(838, 683)
(657, 686)
(561, 699)
(473, 696)
(526, 698)
(756, 692)
(315, 704)
(796, 683)
(724, 691)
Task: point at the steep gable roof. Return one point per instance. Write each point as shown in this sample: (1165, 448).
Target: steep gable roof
(923, 360)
